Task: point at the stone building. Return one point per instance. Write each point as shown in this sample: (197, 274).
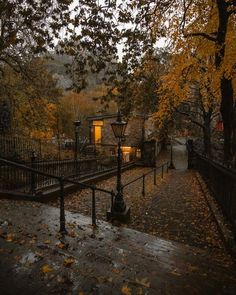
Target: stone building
(102, 137)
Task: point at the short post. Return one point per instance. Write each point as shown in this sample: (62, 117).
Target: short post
(162, 171)
(143, 190)
(33, 180)
(155, 176)
(62, 208)
(112, 199)
(171, 166)
(167, 167)
(93, 207)
(77, 124)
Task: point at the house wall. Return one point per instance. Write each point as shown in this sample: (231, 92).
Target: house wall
(133, 134)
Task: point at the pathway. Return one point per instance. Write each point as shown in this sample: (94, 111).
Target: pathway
(175, 209)
(35, 259)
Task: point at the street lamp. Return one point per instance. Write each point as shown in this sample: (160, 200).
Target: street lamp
(119, 211)
(77, 124)
(171, 166)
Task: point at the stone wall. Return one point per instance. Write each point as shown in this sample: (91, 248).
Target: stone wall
(133, 133)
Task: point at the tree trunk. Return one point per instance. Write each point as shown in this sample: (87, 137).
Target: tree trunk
(207, 141)
(227, 112)
(226, 87)
(207, 133)
(234, 136)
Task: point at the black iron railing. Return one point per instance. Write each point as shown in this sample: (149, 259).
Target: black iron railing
(19, 149)
(222, 183)
(61, 180)
(12, 178)
(162, 168)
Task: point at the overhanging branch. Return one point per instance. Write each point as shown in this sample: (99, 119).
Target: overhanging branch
(210, 37)
(191, 119)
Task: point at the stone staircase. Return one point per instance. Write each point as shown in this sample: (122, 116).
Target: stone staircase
(108, 259)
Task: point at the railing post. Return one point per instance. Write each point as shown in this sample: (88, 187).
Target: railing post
(112, 199)
(62, 207)
(143, 190)
(162, 171)
(33, 180)
(155, 176)
(93, 207)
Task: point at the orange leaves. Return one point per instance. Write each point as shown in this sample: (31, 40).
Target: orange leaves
(125, 290)
(46, 269)
(69, 261)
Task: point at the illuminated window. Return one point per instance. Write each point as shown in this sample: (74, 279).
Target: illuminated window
(98, 123)
(98, 134)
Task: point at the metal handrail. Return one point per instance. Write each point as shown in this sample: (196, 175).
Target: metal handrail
(218, 165)
(62, 180)
(145, 174)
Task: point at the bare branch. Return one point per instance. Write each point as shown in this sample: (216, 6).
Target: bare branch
(190, 118)
(210, 37)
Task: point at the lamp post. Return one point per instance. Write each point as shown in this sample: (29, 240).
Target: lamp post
(119, 210)
(77, 124)
(171, 166)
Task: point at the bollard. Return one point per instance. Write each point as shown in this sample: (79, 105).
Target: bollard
(155, 176)
(62, 207)
(162, 171)
(112, 199)
(33, 179)
(93, 207)
(143, 190)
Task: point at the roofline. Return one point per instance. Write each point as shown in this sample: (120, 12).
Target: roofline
(108, 116)
(91, 118)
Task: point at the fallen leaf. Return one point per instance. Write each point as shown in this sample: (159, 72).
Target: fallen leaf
(9, 237)
(69, 261)
(46, 269)
(72, 234)
(116, 270)
(126, 290)
(61, 246)
(175, 273)
(144, 282)
(47, 242)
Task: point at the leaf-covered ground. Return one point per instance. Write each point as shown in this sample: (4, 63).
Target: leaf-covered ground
(174, 209)
(36, 259)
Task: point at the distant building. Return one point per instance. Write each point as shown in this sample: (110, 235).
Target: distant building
(101, 135)
(140, 140)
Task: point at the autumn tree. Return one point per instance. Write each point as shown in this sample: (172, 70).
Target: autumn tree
(190, 87)
(32, 102)
(213, 23)
(73, 106)
(29, 27)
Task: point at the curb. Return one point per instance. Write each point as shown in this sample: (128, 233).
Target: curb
(222, 224)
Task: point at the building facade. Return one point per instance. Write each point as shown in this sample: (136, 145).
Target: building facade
(102, 137)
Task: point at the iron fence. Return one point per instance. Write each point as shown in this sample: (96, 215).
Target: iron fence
(61, 181)
(222, 183)
(14, 179)
(19, 149)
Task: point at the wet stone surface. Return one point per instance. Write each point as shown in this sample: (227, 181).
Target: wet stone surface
(36, 259)
(175, 209)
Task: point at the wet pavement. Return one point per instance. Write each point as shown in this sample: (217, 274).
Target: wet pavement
(35, 259)
(175, 209)
(183, 255)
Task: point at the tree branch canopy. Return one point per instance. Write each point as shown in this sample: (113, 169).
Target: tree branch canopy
(210, 37)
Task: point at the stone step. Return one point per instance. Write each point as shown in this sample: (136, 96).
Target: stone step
(103, 260)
